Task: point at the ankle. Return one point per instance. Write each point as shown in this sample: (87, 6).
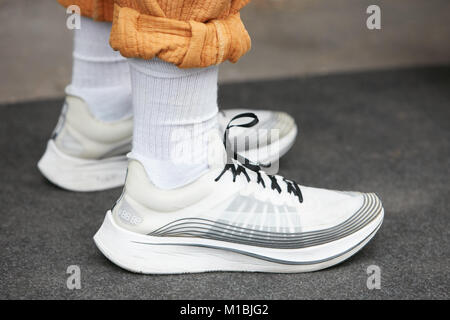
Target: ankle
(100, 75)
(175, 110)
(106, 104)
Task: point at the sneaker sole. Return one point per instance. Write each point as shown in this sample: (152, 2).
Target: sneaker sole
(174, 255)
(83, 175)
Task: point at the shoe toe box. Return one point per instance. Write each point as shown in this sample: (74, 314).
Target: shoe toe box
(338, 212)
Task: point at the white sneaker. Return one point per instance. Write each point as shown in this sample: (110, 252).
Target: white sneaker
(85, 154)
(234, 218)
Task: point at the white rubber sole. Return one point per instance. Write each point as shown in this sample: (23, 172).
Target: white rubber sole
(172, 255)
(77, 174)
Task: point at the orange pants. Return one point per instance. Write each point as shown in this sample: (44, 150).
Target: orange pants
(187, 33)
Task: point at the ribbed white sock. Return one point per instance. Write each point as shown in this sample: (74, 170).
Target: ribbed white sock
(100, 75)
(174, 111)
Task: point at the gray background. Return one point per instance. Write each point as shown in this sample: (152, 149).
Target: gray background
(289, 38)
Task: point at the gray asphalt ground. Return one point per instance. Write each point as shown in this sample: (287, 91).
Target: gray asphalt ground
(384, 131)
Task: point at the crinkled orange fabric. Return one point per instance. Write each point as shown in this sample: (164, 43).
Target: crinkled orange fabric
(188, 33)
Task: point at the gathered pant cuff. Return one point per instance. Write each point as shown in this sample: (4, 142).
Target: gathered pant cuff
(143, 30)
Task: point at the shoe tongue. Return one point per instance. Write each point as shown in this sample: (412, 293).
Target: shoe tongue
(217, 155)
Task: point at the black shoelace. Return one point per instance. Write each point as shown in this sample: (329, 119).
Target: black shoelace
(238, 169)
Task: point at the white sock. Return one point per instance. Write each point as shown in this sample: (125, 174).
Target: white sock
(100, 75)
(174, 111)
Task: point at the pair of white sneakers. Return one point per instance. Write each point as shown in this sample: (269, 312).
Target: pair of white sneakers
(235, 217)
